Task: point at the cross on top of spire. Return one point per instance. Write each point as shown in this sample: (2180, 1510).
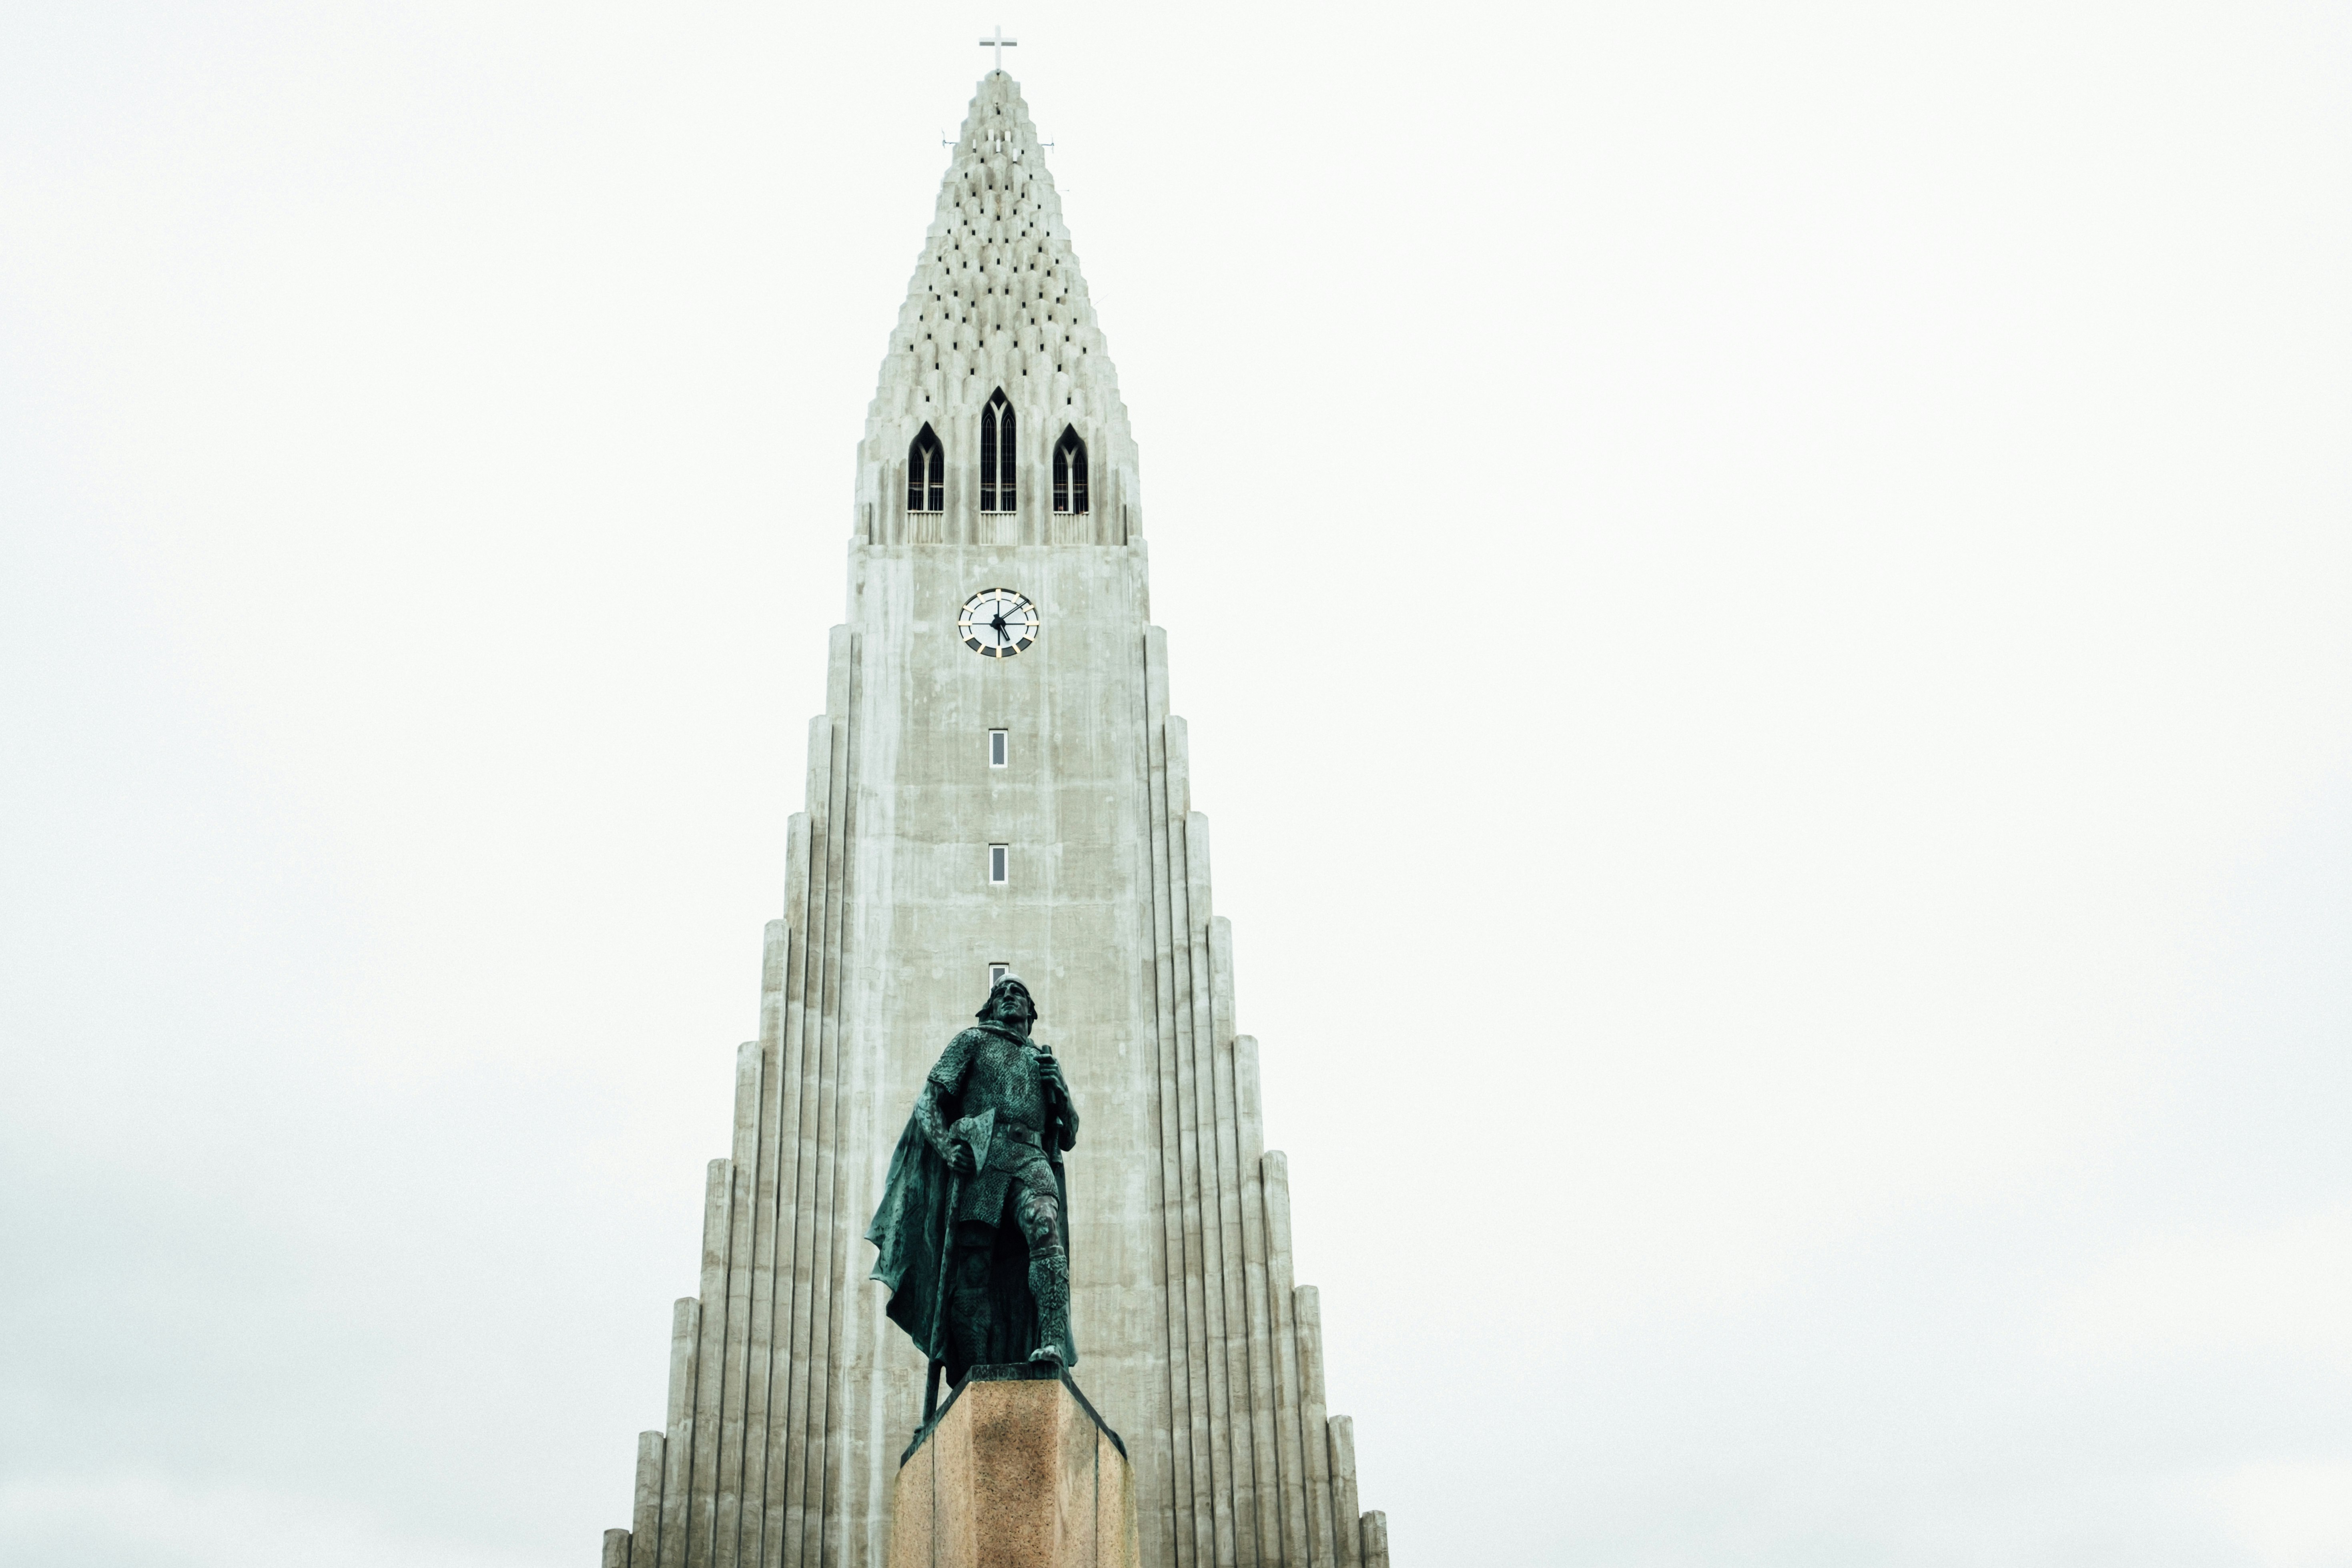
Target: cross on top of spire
(1000, 44)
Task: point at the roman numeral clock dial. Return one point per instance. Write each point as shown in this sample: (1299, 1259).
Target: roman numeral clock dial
(997, 623)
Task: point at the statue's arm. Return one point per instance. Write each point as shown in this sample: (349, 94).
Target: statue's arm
(928, 1118)
(1069, 1119)
(945, 1078)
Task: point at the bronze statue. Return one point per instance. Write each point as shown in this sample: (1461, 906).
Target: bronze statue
(973, 1228)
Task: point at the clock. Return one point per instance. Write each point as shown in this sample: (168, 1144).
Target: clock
(997, 623)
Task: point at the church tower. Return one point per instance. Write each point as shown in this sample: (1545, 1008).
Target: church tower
(997, 783)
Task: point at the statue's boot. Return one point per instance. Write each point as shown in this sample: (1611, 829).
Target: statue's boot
(1049, 1287)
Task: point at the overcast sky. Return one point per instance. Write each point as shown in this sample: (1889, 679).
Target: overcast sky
(1761, 595)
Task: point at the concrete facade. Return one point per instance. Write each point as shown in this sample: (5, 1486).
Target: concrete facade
(792, 1396)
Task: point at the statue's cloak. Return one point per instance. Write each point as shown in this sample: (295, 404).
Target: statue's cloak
(911, 1235)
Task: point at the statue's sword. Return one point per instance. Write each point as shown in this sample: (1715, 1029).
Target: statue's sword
(975, 1133)
(1052, 1097)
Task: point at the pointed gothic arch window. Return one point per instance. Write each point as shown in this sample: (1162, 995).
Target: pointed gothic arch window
(996, 451)
(927, 474)
(1069, 472)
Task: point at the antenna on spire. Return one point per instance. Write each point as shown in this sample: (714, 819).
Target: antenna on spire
(1000, 44)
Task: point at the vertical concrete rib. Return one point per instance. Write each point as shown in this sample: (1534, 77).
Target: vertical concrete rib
(1375, 1539)
(825, 1283)
(1215, 1018)
(743, 1169)
(1290, 1447)
(1343, 1491)
(1247, 1126)
(717, 1196)
(1198, 1062)
(644, 1515)
(775, 950)
(1179, 1210)
(867, 1446)
(1249, 1104)
(840, 1183)
(803, 1027)
(791, 1156)
(677, 1450)
(616, 1549)
(1307, 1309)
(789, 1165)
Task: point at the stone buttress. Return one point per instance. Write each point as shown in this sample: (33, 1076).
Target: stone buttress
(791, 1396)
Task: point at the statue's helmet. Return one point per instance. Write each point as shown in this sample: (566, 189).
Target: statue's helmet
(1001, 998)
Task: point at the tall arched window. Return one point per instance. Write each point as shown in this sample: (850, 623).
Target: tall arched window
(1069, 472)
(996, 455)
(927, 474)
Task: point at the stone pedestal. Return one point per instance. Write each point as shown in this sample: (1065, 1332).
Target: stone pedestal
(1017, 1471)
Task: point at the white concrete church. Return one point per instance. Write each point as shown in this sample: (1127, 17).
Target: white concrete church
(984, 796)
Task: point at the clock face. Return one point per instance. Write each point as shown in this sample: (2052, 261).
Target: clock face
(997, 623)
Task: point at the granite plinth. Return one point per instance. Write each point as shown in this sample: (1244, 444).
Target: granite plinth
(1017, 1471)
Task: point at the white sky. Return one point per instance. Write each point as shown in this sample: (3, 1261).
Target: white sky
(1761, 595)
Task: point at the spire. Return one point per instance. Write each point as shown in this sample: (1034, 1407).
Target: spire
(997, 302)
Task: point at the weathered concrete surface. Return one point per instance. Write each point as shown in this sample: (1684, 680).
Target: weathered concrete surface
(1017, 1473)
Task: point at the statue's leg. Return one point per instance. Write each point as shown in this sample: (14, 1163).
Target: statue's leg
(1049, 1261)
(971, 1308)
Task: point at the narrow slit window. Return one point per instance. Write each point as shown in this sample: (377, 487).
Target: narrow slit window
(1000, 746)
(997, 971)
(1069, 472)
(999, 857)
(927, 474)
(996, 449)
